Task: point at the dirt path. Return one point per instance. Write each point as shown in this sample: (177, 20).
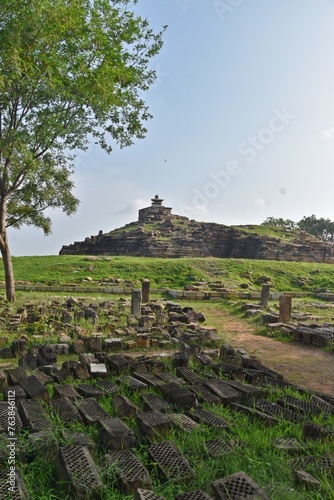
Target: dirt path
(301, 364)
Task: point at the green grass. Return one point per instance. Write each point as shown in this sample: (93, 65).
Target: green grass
(173, 273)
(255, 455)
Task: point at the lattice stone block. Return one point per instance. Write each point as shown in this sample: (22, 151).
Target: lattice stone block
(248, 391)
(89, 391)
(149, 379)
(181, 397)
(183, 421)
(299, 405)
(217, 447)
(322, 462)
(20, 393)
(194, 495)
(238, 486)
(125, 407)
(130, 472)
(118, 364)
(169, 377)
(66, 390)
(170, 461)
(91, 411)
(277, 411)
(268, 420)
(153, 402)
(115, 434)
(132, 383)
(76, 467)
(204, 395)
(14, 375)
(223, 390)
(154, 423)
(33, 415)
(4, 418)
(19, 491)
(34, 388)
(323, 405)
(142, 494)
(66, 410)
(43, 444)
(206, 417)
(189, 376)
(107, 386)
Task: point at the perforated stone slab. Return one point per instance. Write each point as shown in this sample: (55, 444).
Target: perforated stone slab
(169, 377)
(14, 375)
(267, 419)
(183, 421)
(194, 495)
(264, 369)
(125, 407)
(323, 405)
(238, 486)
(205, 417)
(170, 461)
(318, 432)
(248, 391)
(91, 411)
(107, 386)
(34, 388)
(153, 402)
(66, 390)
(118, 364)
(277, 411)
(149, 379)
(19, 491)
(322, 462)
(154, 423)
(89, 391)
(20, 393)
(181, 397)
(133, 383)
(76, 466)
(33, 415)
(115, 434)
(204, 395)
(291, 445)
(6, 420)
(130, 472)
(66, 410)
(298, 405)
(146, 495)
(189, 376)
(223, 390)
(217, 447)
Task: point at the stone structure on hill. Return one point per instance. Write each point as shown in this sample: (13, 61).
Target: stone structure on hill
(159, 233)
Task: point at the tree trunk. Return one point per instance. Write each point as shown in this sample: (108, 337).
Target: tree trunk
(9, 273)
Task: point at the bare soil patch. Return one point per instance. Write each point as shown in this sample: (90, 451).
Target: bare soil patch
(301, 364)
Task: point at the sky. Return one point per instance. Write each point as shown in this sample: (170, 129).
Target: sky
(242, 128)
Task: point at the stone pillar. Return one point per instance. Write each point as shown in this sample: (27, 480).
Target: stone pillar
(285, 306)
(265, 291)
(136, 303)
(145, 290)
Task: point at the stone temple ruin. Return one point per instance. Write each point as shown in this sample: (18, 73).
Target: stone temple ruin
(181, 390)
(159, 233)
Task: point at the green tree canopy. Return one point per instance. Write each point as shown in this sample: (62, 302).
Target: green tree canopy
(70, 70)
(321, 228)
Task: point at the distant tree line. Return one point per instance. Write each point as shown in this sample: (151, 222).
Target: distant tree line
(322, 228)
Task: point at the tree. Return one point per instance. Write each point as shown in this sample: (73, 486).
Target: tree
(322, 228)
(70, 70)
(279, 222)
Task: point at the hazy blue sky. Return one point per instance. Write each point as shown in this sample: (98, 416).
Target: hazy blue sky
(243, 115)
